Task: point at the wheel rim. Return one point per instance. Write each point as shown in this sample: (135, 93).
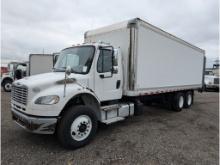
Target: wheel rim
(8, 86)
(181, 101)
(81, 128)
(189, 99)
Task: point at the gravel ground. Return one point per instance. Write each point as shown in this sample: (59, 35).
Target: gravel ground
(159, 136)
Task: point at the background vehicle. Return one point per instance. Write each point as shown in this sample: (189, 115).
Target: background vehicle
(107, 81)
(3, 69)
(16, 70)
(212, 78)
(38, 63)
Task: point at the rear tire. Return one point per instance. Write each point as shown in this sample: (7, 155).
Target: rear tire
(178, 102)
(7, 85)
(77, 127)
(188, 99)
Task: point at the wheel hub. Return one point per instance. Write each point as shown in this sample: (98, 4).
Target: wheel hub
(81, 128)
(181, 101)
(8, 86)
(189, 100)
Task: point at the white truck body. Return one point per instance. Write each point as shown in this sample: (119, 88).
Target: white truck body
(104, 82)
(154, 61)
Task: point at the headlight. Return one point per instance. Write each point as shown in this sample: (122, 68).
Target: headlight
(47, 100)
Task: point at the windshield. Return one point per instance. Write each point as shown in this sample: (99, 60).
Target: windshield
(10, 67)
(22, 67)
(78, 58)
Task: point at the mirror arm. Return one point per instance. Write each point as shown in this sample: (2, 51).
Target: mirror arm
(67, 73)
(64, 89)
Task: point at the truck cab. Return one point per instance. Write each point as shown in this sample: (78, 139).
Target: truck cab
(95, 67)
(75, 96)
(211, 79)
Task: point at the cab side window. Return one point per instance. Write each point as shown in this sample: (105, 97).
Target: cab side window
(104, 61)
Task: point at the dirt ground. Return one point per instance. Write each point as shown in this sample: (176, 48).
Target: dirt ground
(159, 136)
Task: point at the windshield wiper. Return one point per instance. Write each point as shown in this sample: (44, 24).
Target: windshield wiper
(61, 69)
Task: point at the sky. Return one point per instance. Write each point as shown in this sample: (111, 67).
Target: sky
(48, 26)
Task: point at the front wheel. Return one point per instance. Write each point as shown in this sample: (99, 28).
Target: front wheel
(77, 127)
(7, 85)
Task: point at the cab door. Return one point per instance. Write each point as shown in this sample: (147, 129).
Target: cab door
(108, 78)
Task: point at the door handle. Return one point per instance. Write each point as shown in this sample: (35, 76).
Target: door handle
(101, 76)
(118, 83)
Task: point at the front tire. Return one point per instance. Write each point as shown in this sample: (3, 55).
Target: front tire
(77, 127)
(7, 85)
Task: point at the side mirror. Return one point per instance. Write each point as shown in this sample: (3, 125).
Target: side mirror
(68, 70)
(115, 70)
(115, 63)
(115, 60)
(67, 73)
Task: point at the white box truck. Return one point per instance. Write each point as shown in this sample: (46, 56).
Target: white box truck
(107, 79)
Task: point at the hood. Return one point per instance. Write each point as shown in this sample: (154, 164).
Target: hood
(47, 79)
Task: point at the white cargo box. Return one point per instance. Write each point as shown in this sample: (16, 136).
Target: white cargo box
(40, 63)
(154, 61)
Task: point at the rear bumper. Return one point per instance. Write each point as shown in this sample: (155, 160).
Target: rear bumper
(40, 125)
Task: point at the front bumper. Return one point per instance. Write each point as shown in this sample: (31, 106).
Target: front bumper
(35, 124)
(212, 86)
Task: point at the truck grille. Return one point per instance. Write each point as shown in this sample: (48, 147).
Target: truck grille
(216, 80)
(19, 94)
